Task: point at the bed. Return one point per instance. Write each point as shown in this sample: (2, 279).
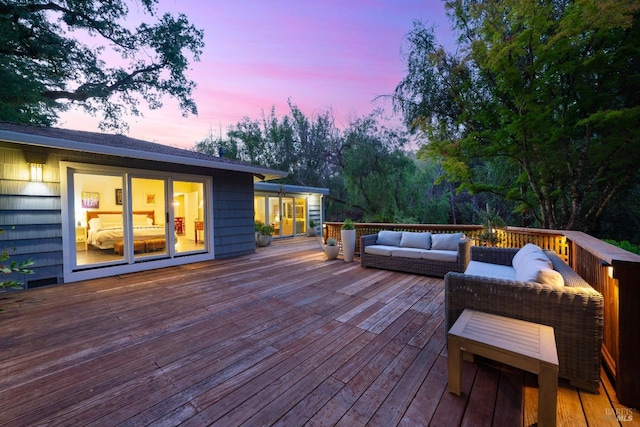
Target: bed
(104, 228)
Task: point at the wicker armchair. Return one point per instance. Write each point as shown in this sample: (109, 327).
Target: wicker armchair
(575, 311)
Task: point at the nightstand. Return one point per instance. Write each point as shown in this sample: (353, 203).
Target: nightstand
(81, 238)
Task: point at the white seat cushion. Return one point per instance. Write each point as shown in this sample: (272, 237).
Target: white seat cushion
(382, 250)
(437, 255)
(407, 253)
(478, 268)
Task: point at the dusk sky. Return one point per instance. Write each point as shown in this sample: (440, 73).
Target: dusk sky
(323, 55)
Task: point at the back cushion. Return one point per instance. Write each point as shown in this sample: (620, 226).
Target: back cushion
(389, 238)
(446, 242)
(527, 254)
(415, 240)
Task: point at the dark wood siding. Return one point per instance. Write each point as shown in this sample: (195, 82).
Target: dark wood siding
(233, 215)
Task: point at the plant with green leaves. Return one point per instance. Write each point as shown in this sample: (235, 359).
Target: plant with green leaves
(547, 92)
(331, 241)
(19, 267)
(49, 60)
(348, 224)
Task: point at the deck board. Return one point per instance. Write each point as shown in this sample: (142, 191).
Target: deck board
(280, 337)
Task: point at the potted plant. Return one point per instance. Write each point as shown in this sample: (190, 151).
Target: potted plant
(311, 230)
(331, 248)
(491, 224)
(264, 234)
(348, 236)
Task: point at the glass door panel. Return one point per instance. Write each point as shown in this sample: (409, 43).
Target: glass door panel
(189, 218)
(98, 222)
(274, 215)
(147, 235)
(288, 219)
(301, 216)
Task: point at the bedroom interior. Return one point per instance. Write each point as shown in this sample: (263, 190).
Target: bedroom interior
(100, 201)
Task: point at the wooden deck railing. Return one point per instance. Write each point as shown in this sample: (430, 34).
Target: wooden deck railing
(612, 271)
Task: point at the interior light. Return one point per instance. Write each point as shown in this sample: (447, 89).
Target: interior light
(36, 172)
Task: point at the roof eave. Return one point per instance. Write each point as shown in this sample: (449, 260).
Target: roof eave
(45, 141)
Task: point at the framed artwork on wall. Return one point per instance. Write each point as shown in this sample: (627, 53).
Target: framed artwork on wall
(118, 196)
(90, 200)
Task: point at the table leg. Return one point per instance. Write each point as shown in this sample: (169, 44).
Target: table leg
(547, 395)
(454, 365)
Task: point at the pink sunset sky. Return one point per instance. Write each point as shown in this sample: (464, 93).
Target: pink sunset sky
(324, 55)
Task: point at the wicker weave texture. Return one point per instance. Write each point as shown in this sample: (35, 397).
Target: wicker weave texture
(575, 311)
(417, 266)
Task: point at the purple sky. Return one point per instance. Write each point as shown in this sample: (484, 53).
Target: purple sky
(328, 54)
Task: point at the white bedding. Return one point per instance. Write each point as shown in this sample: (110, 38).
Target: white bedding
(104, 238)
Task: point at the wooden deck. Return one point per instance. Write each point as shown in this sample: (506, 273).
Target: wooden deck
(281, 337)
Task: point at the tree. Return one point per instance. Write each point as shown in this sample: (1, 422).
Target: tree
(45, 67)
(549, 92)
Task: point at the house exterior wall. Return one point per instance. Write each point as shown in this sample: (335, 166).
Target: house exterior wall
(233, 214)
(31, 213)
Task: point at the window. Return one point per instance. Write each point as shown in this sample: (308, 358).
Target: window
(121, 217)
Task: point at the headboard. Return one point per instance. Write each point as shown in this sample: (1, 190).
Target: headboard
(94, 214)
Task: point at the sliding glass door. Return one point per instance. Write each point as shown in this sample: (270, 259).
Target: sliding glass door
(123, 217)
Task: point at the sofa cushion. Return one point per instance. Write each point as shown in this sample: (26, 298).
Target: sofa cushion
(539, 271)
(415, 240)
(486, 269)
(551, 277)
(437, 255)
(527, 254)
(389, 238)
(407, 252)
(446, 242)
(383, 250)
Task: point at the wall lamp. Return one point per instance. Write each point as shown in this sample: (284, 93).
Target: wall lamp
(36, 161)
(36, 171)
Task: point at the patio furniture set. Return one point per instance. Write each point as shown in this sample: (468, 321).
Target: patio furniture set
(527, 284)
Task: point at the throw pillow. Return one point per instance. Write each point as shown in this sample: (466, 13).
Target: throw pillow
(389, 238)
(550, 277)
(537, 271)
(446, 242)
(415, 240)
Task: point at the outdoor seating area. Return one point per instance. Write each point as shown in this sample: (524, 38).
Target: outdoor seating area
(431, 254)
(572, 307)
(280, 337)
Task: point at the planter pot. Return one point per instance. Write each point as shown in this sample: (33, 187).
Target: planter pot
(311, 232)
(348, 244)
(263, 240)
(331, 251)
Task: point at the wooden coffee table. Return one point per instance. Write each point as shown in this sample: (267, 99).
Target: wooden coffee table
(524, 345)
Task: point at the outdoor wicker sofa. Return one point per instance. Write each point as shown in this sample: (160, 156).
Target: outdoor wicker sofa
(575, 310)
(429, 260)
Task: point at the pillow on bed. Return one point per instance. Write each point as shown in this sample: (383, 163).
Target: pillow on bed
(110, 220)
(95, 224)
(141, 220)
